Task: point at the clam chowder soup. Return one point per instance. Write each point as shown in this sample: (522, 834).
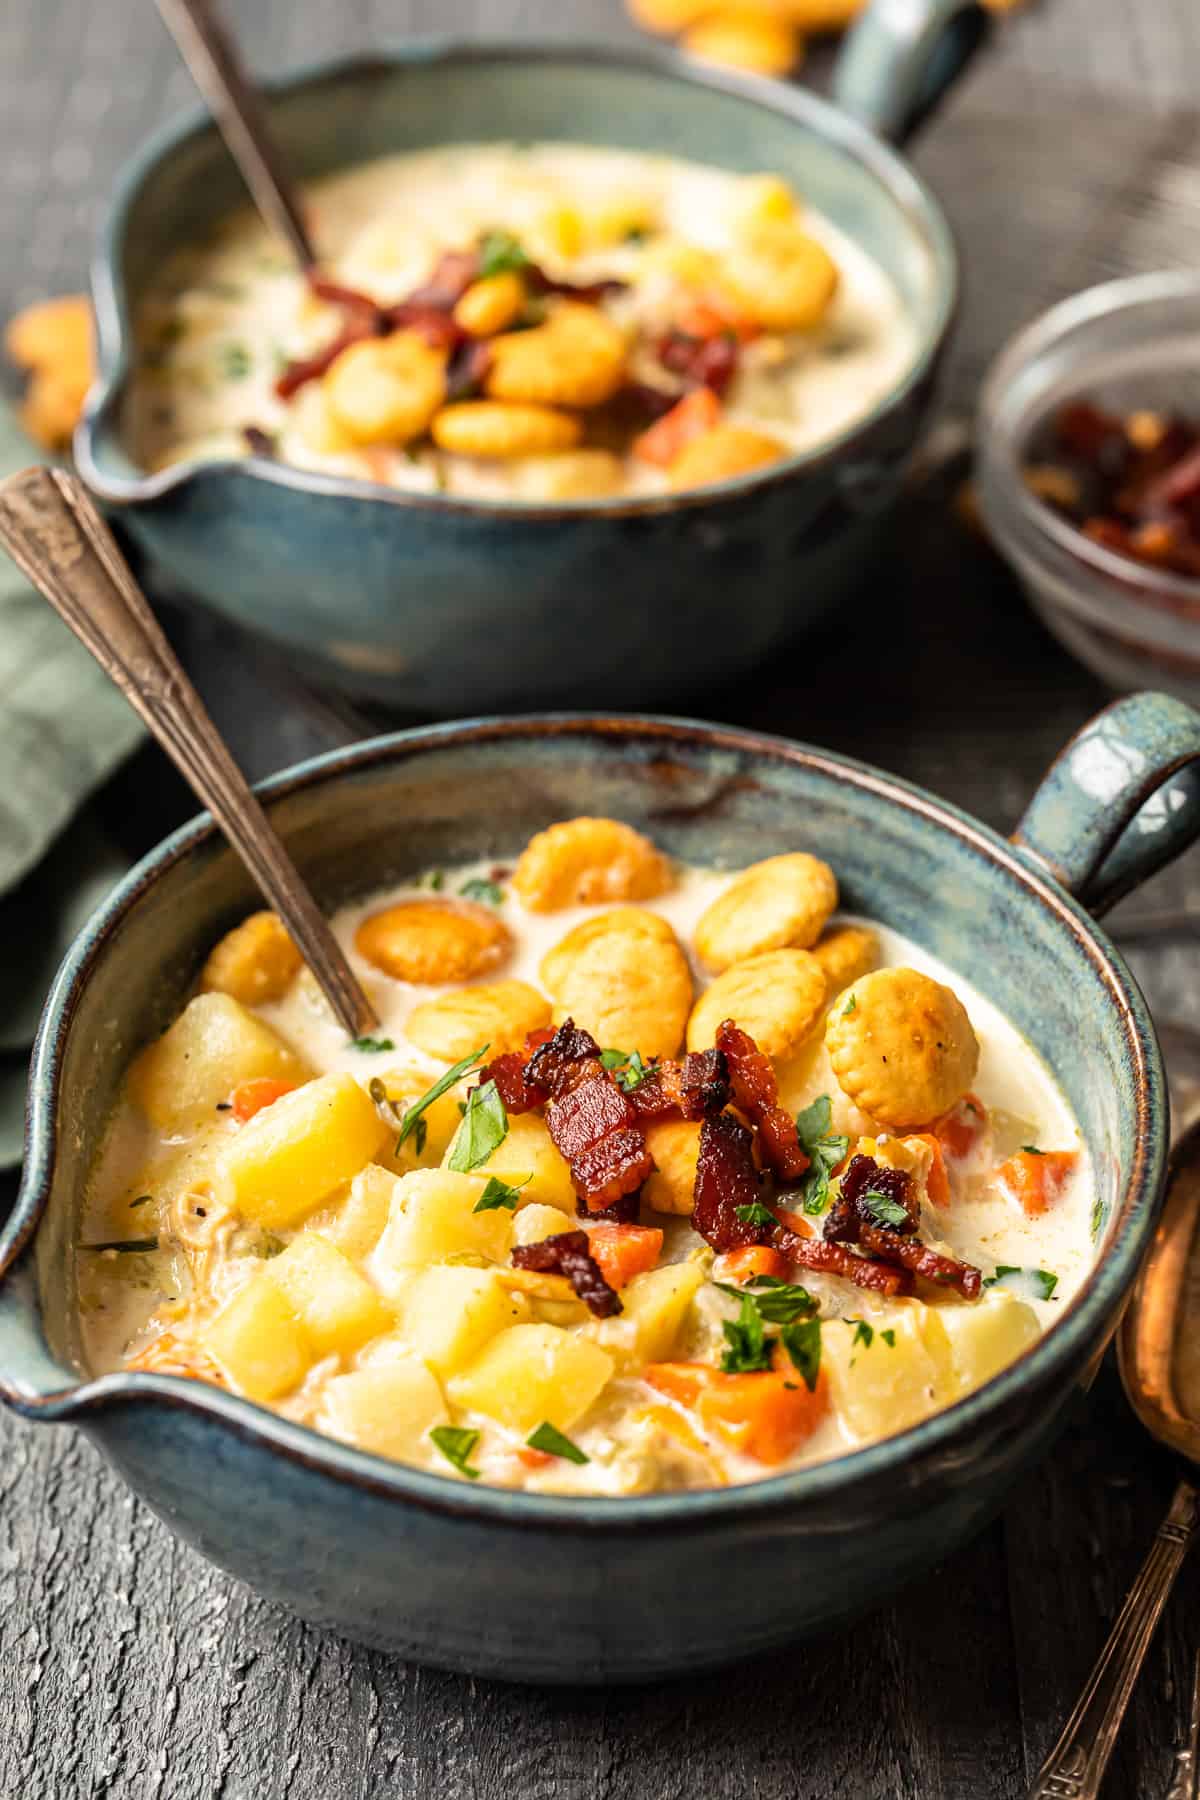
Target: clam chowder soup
(547, 322)
(652, 1177)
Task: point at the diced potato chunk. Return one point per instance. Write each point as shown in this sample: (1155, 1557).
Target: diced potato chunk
(883, 1387)
(533, 1224)
(389, 1408)
(451, 1311)
(655, 1306)
(432, 1219)
(259, 1341)
(531, 1373)
(179, 1080)
(441, 1117)
(337, 1306)
(984, 1336)
(357, 1225)
(529, 1151)
(292, 1155)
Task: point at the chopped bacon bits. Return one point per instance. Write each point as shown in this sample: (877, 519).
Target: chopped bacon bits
(693, 1089)
(703, 362)
(568, 1253)
(592, 1122)
(919, 1259)
(726, 1179)
(452, 275)
(509, 1074)
(836, 1259)
(852, 1210)
(311, 368)
(756, 1093)
(557, 1062)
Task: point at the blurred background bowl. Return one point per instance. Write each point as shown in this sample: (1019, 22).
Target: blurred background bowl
(1127, 346)
(432, 603)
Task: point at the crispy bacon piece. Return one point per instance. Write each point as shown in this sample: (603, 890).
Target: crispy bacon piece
(592, 1122)
(567, 1253)
(726, 1179)
(349, 299)
(469, 362)
(756, 1093)
(559, 1062)
(694, 1089)
(438, 328)
(509, 1074)
(836, 1259)
(311, 368)
(702, 362)
(911, 1254)
(588, 292)
(449, 280)
(849, 1213)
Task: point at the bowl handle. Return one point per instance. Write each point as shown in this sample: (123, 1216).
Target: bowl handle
(1119, 802)
(902, 57)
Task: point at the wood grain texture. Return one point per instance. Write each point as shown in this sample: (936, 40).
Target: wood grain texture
(128, 1667)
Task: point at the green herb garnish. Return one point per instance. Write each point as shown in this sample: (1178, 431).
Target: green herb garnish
(142, 1200)
(777, 1302)
(850, 1006)
(437, 881)
(864, 1334)
(1032, 1150)
(627, 1066)
(553, 1442)
(803, 1345)
(825, 1149)
(613, 1059)
(457, 1444)
(889, 1337)
(235, 362)
(269, 1245)
(483, 1128)
(128, 1246)
(755, 1214)
(500, 252)
(371, 1046)
(477, 889)
(1099, 1218)
(1030, 1284)
(883, 1209)
(747, 1341)
(499, 1193)
(412, 1122)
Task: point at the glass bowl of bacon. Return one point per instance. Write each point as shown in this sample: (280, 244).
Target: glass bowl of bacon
(1089, 475)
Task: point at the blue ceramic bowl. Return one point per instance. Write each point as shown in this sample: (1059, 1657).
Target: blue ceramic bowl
(438, 604)
(558, 1589)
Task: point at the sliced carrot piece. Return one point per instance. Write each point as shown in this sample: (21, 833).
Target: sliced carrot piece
(766, 1415)
(689, 418)
(624, 1251)
(534, 1459)
(250, 1097)
(711, 316)
(751, 1260)
(798, 1222)
(958, 1130)
(937, 1185)
(1036, 1178)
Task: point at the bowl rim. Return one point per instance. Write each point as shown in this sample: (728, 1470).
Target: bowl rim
(1131, 583)
(1067, 1344)
(914, 198)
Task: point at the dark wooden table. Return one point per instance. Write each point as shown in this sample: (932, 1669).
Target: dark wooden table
(131, 1669)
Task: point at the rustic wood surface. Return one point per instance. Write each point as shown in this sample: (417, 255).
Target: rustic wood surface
(128, 1667)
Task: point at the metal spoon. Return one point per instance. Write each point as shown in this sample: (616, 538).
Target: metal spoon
(1159, 1349)
(57, 538)
(216, 67)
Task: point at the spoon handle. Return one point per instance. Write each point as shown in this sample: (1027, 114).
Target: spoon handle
(216, 68)
(1075, 1767)
(57, 538)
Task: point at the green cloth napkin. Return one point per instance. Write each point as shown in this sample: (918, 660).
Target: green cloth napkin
(63, 729)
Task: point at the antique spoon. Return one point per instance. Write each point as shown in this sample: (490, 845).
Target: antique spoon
(216, 67)
(56, 537)
(1159, 1351)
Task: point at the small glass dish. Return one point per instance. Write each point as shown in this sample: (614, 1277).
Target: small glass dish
(1127, 346)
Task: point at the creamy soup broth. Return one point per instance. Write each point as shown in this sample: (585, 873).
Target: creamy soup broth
(410, 1365)
(726, 288)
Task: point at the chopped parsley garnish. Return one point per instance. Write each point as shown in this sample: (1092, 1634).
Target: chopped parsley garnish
(755, 1214)
(1029, 1284)
(883, 1209)
(1099, 1217)
(864, 1334)
(437, 881)
(235, 362)
(478, 889)
(412, 1124)
(269, 1245)
(747, 1341)
(499, 1193)
(636, 234)
(613, 1059)
(128, 1246)
(500, 252)
(825, 1150)
(1032, 1150)
(482, 1129)
(627, 1066)
(142, 1200)
(850, 1006)
(889, 1337)
(457, 1445)
(802, 1342)
(552, 1442)
(777, 1302)
(371, 1046)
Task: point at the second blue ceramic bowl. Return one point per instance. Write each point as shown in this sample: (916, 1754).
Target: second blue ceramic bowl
(554, 1589)
(442, 605)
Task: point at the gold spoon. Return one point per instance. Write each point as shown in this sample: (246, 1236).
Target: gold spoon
(216, 67)
(1159, 1351)
(57, 538)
